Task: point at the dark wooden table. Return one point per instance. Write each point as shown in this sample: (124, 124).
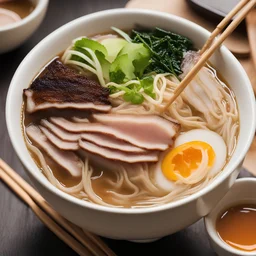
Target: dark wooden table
(21, 233)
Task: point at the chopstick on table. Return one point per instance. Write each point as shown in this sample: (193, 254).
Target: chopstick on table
(243, 8)
(85, 243)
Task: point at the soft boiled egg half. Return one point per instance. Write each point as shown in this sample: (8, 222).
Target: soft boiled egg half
(186, 156)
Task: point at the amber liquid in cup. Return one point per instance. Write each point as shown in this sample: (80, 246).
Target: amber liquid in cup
(20, 7)
(237, 227)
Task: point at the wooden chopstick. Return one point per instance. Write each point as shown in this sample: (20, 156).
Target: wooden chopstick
(68, 239)
(89, 240)
(208, 52)
(224, 22)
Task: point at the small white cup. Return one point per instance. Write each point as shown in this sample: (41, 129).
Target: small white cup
(14, 34)
(242, 192)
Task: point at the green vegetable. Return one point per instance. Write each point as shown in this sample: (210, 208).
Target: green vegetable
(130, 63)
(147, 85)
(121, 69)
(136, 58)
(139, 55)
(105, 64)
(133, 97)
(113, 46)
(132, 93)
(91, 44)
(99, 50)
(167, 50)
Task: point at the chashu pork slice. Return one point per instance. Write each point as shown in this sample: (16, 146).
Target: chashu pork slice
(80, 119)
(59, 132)
(118, 155)
(99, 139)
(109, 141)
(61, 87)
(56, 141)
(151, 129)
(129, 135)
(66, 159)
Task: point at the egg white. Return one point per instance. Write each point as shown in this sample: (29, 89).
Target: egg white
(210, 137)
(161, 181)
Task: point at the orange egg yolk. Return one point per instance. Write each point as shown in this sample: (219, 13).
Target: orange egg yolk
(185, 159)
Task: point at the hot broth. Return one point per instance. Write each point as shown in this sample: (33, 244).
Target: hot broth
(125, 152)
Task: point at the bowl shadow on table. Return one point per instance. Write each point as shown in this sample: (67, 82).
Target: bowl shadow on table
(190, 241)
(49, 244)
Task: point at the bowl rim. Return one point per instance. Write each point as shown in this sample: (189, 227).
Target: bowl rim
(48, 186)
(212, 232)
(40, 6)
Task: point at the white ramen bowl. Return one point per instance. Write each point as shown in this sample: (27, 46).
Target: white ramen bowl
(131, 224)
(13, 35)
(243, 192)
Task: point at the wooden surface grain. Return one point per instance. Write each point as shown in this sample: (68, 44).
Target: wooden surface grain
(21, 233)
